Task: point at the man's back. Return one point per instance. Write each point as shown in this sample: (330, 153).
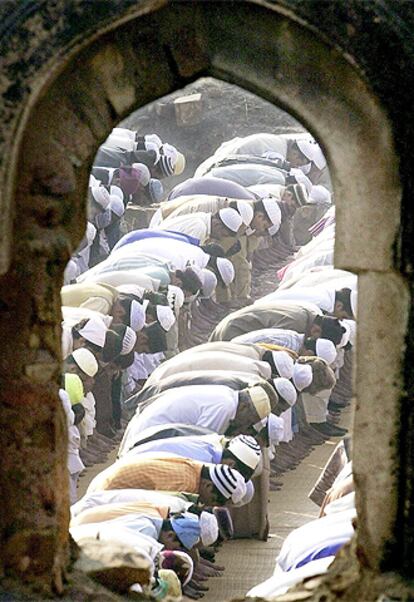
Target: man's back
(271, 315)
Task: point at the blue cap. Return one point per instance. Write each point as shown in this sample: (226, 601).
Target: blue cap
(187, 529)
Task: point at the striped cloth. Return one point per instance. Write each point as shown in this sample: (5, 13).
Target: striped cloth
(115, 510)
(152, 471)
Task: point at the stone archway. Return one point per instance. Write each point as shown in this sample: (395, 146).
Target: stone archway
(69, 105)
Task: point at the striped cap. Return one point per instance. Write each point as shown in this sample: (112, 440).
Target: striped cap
(228, 481)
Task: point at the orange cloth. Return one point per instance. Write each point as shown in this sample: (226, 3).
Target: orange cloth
(151, 471)
(110, 511)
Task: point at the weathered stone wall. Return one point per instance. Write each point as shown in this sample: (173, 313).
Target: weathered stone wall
(71, 71)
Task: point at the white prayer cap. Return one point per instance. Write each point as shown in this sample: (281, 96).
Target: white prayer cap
(137, 315)
(326, 350)
(209, 528)
(90, 232)
(172, 162)
(260, 400)
(301, 179)
(354, 303)
(275, 428)
(350, 332)
(285, 390)
(284, 363)
(152, 139)
(226, 270)
(312, 151)
(128, 341)
(231, 218)
(143, 173)
(246, 449)
(94, 331)
(101, 196)
(228, 481)
(175, 298)
(248, 496)
(319, 194)
(209, 283)
(86, 361)
(273, 211)
(302, 376)
(117, 205)
(165, 316)
(246, 211)
(116, 191)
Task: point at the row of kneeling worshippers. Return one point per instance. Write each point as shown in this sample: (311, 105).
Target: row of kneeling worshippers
(309, 550)
(208, 419)
(129, 169)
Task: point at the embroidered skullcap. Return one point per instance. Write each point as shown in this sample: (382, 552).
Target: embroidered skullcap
(187, 529)
(101, 196)
(284, 363)
(302, 376)
(228, 481)
(260, 400)
(128, 340)
(246, 211)
(94, 331)
(86, 361)
(226, 270)
(209, 528)
(230, 218)
(165, 317)
(285, 390)
(246, 450)
(175, 297)
(325, 349)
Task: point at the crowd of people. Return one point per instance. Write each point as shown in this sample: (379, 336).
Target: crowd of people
(200, 423)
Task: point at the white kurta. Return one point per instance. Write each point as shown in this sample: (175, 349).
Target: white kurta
(210, 406)
(178, 253)
(322, 296)
(197, 225)
(214, 360)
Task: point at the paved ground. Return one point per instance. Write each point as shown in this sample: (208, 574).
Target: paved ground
(249, 562)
